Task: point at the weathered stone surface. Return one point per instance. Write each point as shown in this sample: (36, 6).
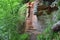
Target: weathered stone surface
(56, 27)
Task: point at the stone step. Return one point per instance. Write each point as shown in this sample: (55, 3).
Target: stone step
(33, 31)
(30, 30)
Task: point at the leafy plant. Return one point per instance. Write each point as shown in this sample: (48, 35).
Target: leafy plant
(9, 19)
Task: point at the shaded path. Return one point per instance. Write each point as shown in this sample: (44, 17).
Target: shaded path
(33, 37)
(32, 25)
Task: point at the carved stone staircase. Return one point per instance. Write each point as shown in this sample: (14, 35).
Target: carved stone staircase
(29, 26)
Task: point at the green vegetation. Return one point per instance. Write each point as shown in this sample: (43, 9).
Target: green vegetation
(9, 18)
(12, 17)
